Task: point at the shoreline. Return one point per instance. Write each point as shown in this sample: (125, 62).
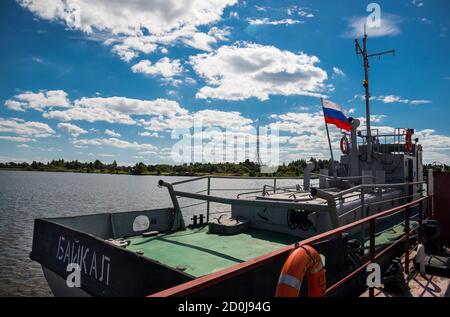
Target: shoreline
(106, 172)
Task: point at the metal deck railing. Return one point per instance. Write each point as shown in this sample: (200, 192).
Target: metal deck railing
(384, 142)
(206, 197)
(218, 277)
(206, 194)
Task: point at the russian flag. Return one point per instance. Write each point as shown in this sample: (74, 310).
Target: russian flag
(334, 114)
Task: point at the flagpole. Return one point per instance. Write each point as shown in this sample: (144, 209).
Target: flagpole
(328, 135)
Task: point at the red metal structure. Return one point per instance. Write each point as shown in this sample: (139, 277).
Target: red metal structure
(442, 202)
(206, 281)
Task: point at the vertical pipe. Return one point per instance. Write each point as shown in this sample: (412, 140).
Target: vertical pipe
(407, 231)
(372, 251)
(207, 203)
(431, 206)
(420, 221)
(177, 220)
(274, 185)
(362, 215)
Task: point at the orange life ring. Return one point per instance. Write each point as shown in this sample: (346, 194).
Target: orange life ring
(408, 141)
(302, 261)
(345, 146)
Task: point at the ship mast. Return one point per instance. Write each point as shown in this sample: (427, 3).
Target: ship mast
(363, 51)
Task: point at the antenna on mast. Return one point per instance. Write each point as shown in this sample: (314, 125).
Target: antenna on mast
(258, 155)
(363, 51)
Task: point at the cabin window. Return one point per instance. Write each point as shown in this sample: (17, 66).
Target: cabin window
(141, 223)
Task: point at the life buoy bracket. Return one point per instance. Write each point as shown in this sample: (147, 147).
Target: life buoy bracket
(345, 146)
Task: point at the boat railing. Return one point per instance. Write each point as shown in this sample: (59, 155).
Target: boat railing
(396, 140)
(206, 194)
(331, 197)
(212, 279)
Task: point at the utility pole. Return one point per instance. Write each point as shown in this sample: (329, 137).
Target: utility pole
(363, 51)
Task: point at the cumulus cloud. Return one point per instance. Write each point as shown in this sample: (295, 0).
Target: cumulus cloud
(25, 128)
(267, 21)
(390, 26)
(114, 142)
(38, 100)
(308, 137)
(245, 70)
(72, 129)
(203, 118)
(116, 110)
(165, 67)
(15, 138)
(149, 134)
(112, 133)
(139, 26)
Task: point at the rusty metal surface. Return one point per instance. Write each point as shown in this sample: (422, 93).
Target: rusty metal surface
(441, 203)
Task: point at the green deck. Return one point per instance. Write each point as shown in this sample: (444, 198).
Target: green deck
(202, 253)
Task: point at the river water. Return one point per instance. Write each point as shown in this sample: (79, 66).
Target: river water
(25, 196)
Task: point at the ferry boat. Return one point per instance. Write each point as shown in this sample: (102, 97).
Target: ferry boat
(372, 198)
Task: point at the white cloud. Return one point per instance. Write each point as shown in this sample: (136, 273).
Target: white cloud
(112, 133)
(114, 142)
(308, 137)
(72, 129)
(38, 101)
(116, 110)
(267, 21)
(290, 10)
(390, 26)
(15, 138)
(246, 70)
(338, 72)
(25, 128)
(203, 118)
(436, 147)
(234, 15)
(165, 67)
(37, 60)
(393, 99)
(149, 134)
(101, 155)
(220, 34)
(130, 46)
(417, 3)
(137, 26)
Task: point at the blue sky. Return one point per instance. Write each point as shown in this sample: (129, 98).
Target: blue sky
(117, 82)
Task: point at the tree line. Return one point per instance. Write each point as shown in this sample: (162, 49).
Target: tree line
(246, 168)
